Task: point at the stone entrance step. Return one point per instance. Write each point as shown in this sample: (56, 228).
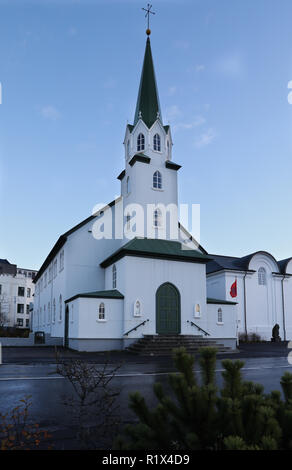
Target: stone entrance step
(162, 345)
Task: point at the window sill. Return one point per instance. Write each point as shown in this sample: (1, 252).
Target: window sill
(220, 323)
(158, 189)
(101, 321)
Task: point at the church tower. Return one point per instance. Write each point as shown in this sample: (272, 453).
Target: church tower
(150, 177)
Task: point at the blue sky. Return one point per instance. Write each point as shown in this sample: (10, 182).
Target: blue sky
(70, 73)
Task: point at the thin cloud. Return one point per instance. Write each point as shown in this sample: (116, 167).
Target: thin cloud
(50, 112)
(172, 90)
(206, 138)
(200, 68)
(198, 121)
(173, 112)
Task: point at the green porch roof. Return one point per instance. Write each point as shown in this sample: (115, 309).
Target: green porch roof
(101, 294)
(158, 249)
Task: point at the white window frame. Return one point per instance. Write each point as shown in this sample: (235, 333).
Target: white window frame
(140, 142)
(197, 311)
(137, 309)
(262, 276)
(157, 180)
(114, 276)
(157, 143)
(157, 219)
(101, 312)
(220, 316)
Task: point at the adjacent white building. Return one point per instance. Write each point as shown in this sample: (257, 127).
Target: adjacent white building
(16, 294)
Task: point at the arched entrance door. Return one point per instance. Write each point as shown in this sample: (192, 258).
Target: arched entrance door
(167, 310)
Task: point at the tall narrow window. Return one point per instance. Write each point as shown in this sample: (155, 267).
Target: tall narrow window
(157, 180)
(128, 225)
(157, 218)
(262, 277)
(157, 143)
(49, 313)
(60, 308)
(101, 312)
(114, 277)
(54, 311)
(128, 148)
(128, 185)
(220, 315)
(140, 142)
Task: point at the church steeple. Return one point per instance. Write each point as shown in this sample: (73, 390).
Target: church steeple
(148, 107)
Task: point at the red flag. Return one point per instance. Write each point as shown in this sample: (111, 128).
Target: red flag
(233, 290)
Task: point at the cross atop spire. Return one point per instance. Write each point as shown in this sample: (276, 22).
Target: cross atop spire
(148, 11)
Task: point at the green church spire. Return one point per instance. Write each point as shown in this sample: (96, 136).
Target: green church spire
(148, 107)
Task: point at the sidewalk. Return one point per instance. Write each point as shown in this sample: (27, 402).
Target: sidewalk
(37, 355)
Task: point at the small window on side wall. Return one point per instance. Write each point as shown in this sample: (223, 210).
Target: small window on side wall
(262, 277)
(114, 276)
(197, 311)
(137, 308)
(101, 312)
(220, 315)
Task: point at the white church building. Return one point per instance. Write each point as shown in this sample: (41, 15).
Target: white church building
(132, 270)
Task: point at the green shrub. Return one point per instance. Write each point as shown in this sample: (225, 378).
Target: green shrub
(200, 417)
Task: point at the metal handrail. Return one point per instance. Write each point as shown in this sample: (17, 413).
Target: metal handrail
(199, 328)
(136, 327)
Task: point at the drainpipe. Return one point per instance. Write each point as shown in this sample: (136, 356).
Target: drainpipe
(283, 307)
(244, 288)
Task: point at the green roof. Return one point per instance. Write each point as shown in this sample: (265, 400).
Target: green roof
(158, 249)
(101, 294)
(148, 99)
(217, 301)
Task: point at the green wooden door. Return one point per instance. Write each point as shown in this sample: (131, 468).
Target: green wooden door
(167, 310)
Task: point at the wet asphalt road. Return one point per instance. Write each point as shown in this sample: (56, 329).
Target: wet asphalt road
(21, 375)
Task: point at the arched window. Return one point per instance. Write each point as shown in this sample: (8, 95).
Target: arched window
(72, 313)
(168, 148)
(128, 220)
(137, 308)
(54, 311)
(157, 218)
(101, 311)
(220, 315)
(197, 311)
(128, 185)
(140, 142)
(114, 277)
(60, 308)
(157, 143)
(49, 313)
(128, 148)
(157, 180)
(262, 277)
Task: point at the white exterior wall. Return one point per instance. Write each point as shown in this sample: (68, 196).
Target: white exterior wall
(228, 327)
(139, 279)
(141, 176)
(82, 255)
(264, 302)
(84, 323)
